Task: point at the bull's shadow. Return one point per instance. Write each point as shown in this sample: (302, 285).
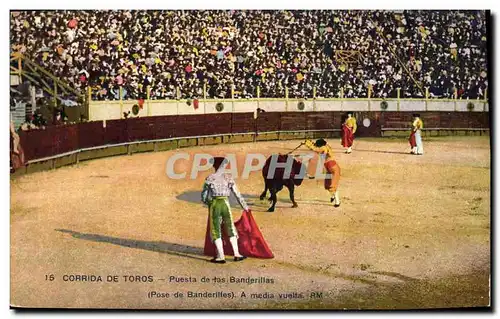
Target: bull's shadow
(157, 246)
(253, 201)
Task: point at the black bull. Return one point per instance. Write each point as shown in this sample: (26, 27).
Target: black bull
(276, 182)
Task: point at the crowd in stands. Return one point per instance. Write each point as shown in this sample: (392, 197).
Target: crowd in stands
(186, 53)
(38, 121)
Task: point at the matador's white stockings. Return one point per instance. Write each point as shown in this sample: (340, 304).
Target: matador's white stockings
(234, 243)
(220, 249)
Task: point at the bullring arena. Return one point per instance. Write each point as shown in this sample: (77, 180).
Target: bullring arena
(412, 232)
(101, 100)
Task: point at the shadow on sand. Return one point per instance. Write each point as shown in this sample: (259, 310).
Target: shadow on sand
(157, 246)
(387, 152)
(194, 197)
(253, 201)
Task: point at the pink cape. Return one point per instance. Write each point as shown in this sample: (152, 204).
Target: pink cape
(251, 243)
(17, 159)
(347, 136)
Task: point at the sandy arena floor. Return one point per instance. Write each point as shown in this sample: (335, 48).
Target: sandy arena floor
(412, 232)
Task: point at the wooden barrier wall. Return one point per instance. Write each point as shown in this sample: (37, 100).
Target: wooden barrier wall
(61, 139)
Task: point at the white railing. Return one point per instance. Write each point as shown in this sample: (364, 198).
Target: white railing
(107, 110)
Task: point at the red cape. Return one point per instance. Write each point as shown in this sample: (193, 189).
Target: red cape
(251, 243)
(347, 136)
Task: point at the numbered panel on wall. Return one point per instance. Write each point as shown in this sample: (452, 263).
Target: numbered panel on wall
(135, 109)
(384, 105)
(132, 112)
(470, 106)
(368, 123)
(301, 105)
(219, 107)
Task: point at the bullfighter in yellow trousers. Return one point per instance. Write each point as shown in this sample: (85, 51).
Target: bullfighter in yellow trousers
(331, 166)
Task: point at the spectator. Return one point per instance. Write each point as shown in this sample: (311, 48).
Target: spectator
(28, 125)
(58, 118)
(166, 50)
(39, 121)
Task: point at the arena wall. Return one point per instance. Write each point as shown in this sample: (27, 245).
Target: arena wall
(161, 108)
(106, 110)
(64, 145)
(412, 106)
(330, 105)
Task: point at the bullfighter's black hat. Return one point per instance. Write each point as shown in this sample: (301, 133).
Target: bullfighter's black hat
(320, 142)
(217, 161)
(416, 115)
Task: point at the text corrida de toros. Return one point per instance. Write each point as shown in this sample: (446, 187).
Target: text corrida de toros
(98, 278)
